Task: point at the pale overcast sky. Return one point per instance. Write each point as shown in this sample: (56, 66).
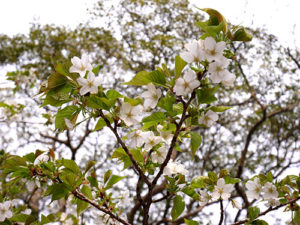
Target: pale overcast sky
(278, 16)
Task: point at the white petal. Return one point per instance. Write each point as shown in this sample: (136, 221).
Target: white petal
(91, 76)
(85, 59)
(81, 81)
(76, 62)
(221, 182)
(189, 76)
(220, 46)
(97, 81)
(187, 56)
(84, 89)
(209, 43)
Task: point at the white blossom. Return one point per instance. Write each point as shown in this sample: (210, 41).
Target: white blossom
(167, 136)
(194, 51)
(213, 50)
(130, 114)
(151, 140)
(151, 96)
(174, 168)
(159, 155)
(41, 159)
(90, 84)
(272, 202)
(186, 84)
(27, 211)
(204, 198)
(80, 65)
(69, 124)
(222, 190)
(219, 73)
(124, 199)
(136, 139)
(254, 189)
(236, 204)
(209, 118)
(5, 211)
(269, 191)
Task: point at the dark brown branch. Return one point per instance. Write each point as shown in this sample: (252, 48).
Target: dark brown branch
(82, 197)
(221, 212)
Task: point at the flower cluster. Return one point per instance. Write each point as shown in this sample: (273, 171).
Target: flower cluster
(81, 66)
(268, 191)
(212, 52)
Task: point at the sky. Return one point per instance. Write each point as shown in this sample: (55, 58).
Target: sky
(277, 16)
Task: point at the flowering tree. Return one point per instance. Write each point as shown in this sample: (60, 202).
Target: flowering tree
(151, 132)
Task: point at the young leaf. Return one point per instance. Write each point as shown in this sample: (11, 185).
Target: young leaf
(56, 80)
(178, 207)
(196, 140)
(157, 77)
(71, 165)
(68, 112)
(220, 108)
(107, 175)
(206, 95)
(139, 79)
(190, 222)
(89, 166)
(113, 180)
(253, 213)
(179, 65)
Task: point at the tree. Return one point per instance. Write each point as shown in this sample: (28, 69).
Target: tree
(252, 118)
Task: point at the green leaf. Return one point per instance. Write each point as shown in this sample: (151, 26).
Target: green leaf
(157, 117)
(196, 140)
(157, 77)
(56, 80)
(242, 35)
(220, 108)
(58, 96)
(179, 65)
(89, 166)
(57, 191)
(96, 102)
(101, 123)
(211, 30)
(107, 176)
(71, 165)
(178, 207)
(145, 77)
(137, 155)
(120, 154)
(68, 112)
(190, 222)
(206, 95)
(166, 103)
(139, 79)
(296, 218)
(82, 205)
(113, 94)
(213, 177)
(113, 180)
(198, 182)
(231, 180)
(19, 218)
(269, 177)
(96, 69)
(253, 213)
